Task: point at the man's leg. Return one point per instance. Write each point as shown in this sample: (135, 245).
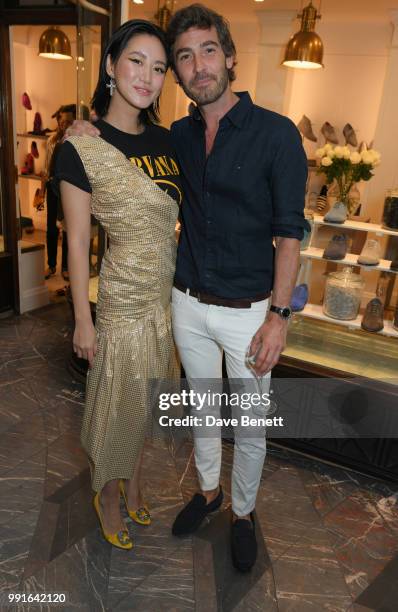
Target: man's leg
(52, 229)
(235, 329)
(201, 358)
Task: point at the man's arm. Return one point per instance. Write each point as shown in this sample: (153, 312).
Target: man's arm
(270, 339)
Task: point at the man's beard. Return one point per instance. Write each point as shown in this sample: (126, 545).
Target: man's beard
(209, 94)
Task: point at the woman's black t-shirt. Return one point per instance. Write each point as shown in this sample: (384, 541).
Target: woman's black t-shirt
(151, 151)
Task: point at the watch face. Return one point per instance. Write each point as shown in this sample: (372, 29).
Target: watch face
(286, 313)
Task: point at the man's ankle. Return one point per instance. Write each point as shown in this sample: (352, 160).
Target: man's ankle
(211, 495)
(245, 517)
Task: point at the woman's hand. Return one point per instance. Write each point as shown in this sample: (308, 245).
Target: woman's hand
(85, 341)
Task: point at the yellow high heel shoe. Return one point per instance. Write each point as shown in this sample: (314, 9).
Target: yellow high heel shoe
(141, 515)
(120, 539)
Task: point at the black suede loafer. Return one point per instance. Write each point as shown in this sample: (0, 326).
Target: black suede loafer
(192, 515)
(243, 544)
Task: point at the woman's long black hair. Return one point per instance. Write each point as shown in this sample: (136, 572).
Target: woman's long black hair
(117, 43)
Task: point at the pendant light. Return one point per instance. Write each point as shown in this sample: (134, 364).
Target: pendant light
(54, 44)
(164, 13)
(305, 48)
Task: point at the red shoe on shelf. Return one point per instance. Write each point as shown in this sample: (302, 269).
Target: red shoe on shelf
(29, 167)
(26, 101)
(38, 200)
(34, 150)
(37, 125)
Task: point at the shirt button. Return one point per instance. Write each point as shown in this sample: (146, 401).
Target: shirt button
(208, 221)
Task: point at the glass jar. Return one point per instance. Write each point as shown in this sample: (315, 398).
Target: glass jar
(390, 213)
(309, 217)
(343, 294)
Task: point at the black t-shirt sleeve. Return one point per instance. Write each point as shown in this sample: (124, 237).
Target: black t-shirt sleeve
(69, 167)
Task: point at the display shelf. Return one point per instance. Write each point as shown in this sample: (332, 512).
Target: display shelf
(349, 260)
(314, 311)
(35, 136)
(35, 177)
(374, 228)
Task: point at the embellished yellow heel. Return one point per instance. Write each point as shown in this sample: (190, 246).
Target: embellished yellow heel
(141, 515)
(120, 539)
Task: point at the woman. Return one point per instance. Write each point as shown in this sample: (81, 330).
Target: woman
(129, 180)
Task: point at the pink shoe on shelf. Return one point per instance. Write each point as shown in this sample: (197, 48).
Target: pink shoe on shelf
(26, 101)
(34, 150)
(29, 166)
(37, 125)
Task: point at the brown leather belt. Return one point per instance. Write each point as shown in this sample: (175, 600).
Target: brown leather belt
(214, 300)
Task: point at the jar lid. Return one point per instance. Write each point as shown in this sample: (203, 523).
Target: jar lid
(348, 277)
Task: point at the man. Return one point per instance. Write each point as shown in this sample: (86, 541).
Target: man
(243, 174)
(65, 116)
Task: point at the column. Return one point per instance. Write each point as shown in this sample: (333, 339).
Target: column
(273, 80)
(386, 134)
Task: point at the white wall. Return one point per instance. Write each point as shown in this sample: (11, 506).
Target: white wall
(49, 84)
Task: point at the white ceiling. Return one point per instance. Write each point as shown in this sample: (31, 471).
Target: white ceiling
(334, 10)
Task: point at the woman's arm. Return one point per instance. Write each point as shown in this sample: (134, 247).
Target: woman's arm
(76, 207)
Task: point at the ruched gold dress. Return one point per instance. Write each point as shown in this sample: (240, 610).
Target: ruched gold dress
(133, 309)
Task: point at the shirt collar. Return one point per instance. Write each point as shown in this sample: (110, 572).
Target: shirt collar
(235, 115)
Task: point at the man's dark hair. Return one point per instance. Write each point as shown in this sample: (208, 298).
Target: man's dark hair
(199, 16)
(117, 43)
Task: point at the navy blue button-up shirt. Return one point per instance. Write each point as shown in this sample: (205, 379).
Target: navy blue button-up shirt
(249, 189)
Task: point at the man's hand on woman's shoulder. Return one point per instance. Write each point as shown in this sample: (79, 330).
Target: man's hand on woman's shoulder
(81, 128)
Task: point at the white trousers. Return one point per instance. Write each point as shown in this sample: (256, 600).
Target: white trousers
(202, 333)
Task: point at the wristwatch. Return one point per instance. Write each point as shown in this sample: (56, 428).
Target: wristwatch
(285, 313)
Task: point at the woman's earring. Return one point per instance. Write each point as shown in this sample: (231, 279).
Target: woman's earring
(111, 86)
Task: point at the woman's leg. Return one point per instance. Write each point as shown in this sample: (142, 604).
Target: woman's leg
(132, 486)
(110, 507)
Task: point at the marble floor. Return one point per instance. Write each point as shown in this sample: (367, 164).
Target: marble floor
(328, 538)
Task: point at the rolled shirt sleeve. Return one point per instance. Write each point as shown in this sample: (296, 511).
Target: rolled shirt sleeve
(288, 183)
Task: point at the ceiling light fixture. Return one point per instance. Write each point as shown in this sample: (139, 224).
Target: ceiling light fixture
(305, 48)
(164, 13)
(54, 44)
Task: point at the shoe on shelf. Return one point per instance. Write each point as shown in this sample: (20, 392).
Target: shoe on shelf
(141, 515)
(373, 318)
(243, 544)
(29, 165)
(329, 133)
(305, 127)
(34, 150)
(321, 201)
(192, 515)
(349, 135)
(337, 248)
(50, 272)
(371, 253)
(299, 298)
(395, 320)
(38, 200)
(337, 214)
(120, 539)
(26, 101)
(65, 275)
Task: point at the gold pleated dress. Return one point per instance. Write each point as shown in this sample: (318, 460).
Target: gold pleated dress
(133, 320)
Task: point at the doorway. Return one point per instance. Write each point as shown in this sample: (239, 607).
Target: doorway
(44, 95)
